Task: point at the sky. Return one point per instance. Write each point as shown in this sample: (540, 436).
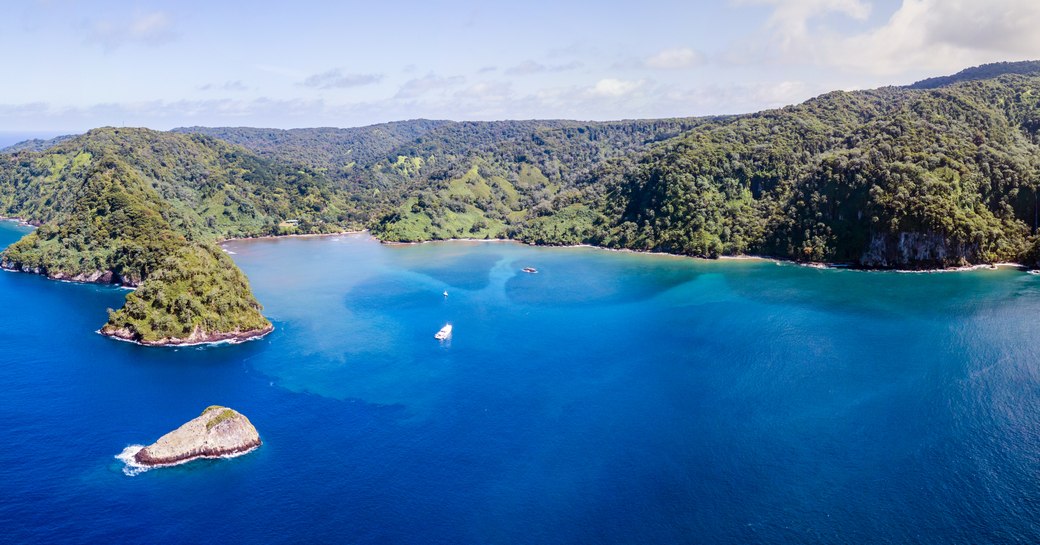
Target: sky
(71, 65)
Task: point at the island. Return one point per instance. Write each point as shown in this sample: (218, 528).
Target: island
(216, 433)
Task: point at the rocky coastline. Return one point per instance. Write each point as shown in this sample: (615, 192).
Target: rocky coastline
(903, 266)
(22, 221)
(92, 277)
(294, 235)
(216, 433)
(197, 337)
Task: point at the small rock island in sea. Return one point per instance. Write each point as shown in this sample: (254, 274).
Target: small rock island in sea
(217, 432)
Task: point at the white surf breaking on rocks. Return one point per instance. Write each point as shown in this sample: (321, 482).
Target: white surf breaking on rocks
(130, 466)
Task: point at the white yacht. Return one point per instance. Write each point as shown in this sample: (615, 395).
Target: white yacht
(444, 333)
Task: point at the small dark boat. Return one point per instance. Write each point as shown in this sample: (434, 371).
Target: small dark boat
(531, 270)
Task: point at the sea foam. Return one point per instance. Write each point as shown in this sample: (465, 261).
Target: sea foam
(130, 466)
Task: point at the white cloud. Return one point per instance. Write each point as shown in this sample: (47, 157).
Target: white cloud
(162, 114)
(607, 99)
(532, 67)
(496, 92)
(417, 87)
(779, 94)
(155, 28)
(719, 99)
(280, 71)
(336, 79)
(675, 58)
(611, 87)
(234, 86)
(942, 35)
(921, 36)
(790, 18)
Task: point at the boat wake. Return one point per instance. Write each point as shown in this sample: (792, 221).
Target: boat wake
(130, 466)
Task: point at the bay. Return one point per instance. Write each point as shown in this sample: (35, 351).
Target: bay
(609, 398)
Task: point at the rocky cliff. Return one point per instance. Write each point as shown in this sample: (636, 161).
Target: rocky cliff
(197, 336)
(217, 432)
(92, 277)
(916, 250)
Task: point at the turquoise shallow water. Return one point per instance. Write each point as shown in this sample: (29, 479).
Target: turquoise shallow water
(610, 398)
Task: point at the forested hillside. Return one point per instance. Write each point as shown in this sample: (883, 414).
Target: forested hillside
(986, 71)
(214, 188)
(37, 144)
(887, 178)
(942, 173)
(335, 152)
(458, 179)
(139, 207)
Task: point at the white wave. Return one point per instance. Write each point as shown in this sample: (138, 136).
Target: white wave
(131, 467)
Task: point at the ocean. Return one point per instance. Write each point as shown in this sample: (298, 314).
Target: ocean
(10, 138)
(608, 398)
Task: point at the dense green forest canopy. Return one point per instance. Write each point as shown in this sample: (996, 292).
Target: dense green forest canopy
(422, 180)
(144, 208)
(986, 71)
(216, 189)
(941, 173)
(886, 178)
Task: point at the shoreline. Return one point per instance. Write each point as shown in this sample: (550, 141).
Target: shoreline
(418, 242)
(304, 235)
(207, 454)
(220, 339)
(95, 278)
(21, 221)
(966, 268)
(132, 467)
(738, 257)
(827, 266)
(809, 264)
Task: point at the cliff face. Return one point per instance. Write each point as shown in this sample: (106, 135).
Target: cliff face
(917, 250)
(198, 336)
(218, 431)
(93, 277)
(194, 295)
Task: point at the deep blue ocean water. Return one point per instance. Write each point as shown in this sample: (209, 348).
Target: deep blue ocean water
(10, 138)
(610, 398)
